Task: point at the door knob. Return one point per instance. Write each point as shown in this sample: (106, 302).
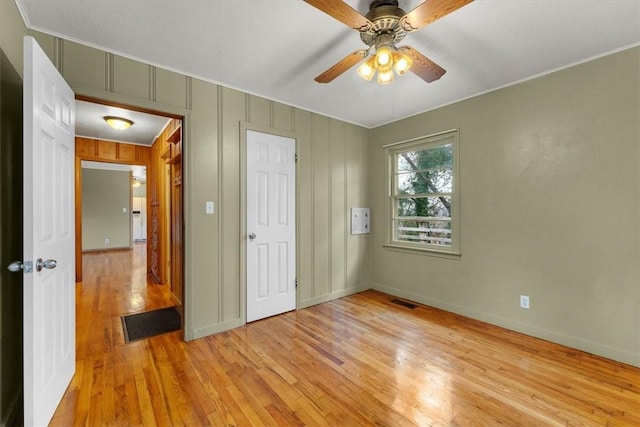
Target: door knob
(48, 264)
(16, 266)
(252, 236)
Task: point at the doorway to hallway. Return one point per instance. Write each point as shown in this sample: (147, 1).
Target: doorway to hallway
(154, 142)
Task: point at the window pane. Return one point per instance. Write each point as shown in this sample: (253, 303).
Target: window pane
(429, 232)
(439, 157)
(423, 180)
(432, 181)
(434, 207)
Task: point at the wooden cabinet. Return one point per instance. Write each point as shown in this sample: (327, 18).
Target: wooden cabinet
(165, 241)
(176, 207)
(154, 243)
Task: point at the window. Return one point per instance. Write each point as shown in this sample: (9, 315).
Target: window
(424, 193)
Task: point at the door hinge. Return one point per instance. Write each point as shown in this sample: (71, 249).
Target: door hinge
(296, 283)
(296, 157)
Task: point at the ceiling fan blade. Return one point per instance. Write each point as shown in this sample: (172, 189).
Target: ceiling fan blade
(422, 66)
(341, 11)
(347, 62)
(430, 11)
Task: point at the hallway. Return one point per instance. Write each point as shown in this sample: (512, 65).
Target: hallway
(115, 284)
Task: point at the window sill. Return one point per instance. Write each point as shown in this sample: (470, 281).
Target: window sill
(422, 251)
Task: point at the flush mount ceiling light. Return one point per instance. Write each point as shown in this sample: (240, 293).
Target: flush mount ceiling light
(381, 29)
(119, 123)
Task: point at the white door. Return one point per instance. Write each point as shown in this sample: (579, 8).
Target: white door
(49, 235)
(271, 227)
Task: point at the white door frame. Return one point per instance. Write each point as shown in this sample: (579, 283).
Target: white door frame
(244, 127)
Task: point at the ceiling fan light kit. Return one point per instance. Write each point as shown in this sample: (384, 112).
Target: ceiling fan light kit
(386, 59)
(381, 29)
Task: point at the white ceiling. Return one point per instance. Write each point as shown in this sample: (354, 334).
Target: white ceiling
(90, 123)
(275, 48)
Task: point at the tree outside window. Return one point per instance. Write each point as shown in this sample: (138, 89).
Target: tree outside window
(424, 193)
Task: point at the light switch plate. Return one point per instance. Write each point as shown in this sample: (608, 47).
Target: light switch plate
(209, 208)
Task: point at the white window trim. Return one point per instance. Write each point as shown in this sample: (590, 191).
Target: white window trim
(441, 138)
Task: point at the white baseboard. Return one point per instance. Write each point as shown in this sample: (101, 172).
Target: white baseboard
(527, 329)
(329, 297)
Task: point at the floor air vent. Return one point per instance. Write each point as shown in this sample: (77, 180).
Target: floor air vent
(404, 303)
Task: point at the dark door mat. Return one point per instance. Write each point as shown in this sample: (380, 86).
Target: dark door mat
(151, 323)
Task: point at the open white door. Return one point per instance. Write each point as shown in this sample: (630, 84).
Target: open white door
(271, 225)
(49, 236)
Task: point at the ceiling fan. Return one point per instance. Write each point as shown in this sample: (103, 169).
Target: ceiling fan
(381, 29)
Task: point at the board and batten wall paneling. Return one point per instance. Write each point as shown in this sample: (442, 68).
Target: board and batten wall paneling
(337, 195)
(321, 207)
(169, 88)
(259, 111)
(131, 78)
(305, 248)
(234, 111)
(84, 66)
(356, 157)
(212, 151)
(202, 161)
(283, 116)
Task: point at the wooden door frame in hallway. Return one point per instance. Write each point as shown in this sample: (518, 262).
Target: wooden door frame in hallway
(152, 106)
(80, 156)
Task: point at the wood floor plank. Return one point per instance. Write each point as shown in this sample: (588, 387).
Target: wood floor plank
(358, 360)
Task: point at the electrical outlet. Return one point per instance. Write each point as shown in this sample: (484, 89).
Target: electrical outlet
(524, 301)
(106, 241)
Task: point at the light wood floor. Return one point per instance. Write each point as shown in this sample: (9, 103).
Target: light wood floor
(359, 360)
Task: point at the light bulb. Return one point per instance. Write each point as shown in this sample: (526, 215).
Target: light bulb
(385, 77)
(402, 64)
(366, 70)
(383, 57)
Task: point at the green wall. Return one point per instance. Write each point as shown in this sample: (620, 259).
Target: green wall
(550, 208)
(105, 193)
